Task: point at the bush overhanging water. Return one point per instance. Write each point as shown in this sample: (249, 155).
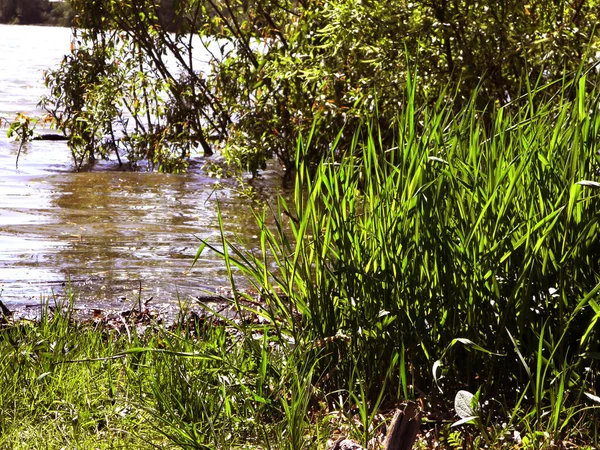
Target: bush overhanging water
(276, 67)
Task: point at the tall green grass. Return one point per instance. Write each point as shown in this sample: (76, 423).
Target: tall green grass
(198, 384)
(463, 255)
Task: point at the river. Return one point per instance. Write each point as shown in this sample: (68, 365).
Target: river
(106, 231)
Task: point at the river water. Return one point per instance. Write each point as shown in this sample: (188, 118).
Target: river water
(106, 231)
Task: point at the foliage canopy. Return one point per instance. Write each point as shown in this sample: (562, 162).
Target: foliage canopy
(277, 66)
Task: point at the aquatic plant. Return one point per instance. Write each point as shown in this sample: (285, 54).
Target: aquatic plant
(465, 256)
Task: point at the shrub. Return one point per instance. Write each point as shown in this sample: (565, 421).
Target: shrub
(277, 67)
(458, 251)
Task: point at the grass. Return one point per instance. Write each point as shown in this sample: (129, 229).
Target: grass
(47, 402)
(462, 256)
(199, 383)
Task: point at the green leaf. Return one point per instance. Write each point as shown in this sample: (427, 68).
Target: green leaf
(588, 183)
(469, 344)
(592, 397)
(42, 376)
(463, 405)
(465, 420)
(573, 195)
(199, 252)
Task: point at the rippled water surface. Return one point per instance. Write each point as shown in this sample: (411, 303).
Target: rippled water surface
(107, 231)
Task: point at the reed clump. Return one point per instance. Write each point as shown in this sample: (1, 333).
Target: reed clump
(454, 266)
(465, 254)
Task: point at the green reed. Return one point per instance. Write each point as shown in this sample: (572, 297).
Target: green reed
(473, 227)
(462, 256)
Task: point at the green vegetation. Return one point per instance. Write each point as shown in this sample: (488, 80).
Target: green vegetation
(458, 266)
(277, 67)
(442, 244)
(463, 256)
(201, 383)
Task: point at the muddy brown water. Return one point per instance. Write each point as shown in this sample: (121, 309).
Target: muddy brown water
(106, 231)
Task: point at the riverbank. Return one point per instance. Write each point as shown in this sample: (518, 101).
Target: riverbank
(201, 381)
(138, 382)
(59, 13)
(36, 12)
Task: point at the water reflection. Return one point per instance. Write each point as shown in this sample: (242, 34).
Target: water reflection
(106, 230)
(125, 227)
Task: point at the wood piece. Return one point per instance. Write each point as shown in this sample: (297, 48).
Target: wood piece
(404, 428)
(50, 137)
(401, 435)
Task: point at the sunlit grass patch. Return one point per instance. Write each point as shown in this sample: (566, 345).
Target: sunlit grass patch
(457, 267)
(465, 255)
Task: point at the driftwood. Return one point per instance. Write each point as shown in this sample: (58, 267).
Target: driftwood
(50, 137)
(401, 435)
